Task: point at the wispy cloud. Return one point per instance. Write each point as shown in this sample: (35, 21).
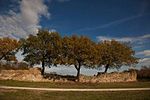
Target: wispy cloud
(116, 22)
(145, 36)
(144, 61)
(19, 25)
(124, 39)
(145, 53)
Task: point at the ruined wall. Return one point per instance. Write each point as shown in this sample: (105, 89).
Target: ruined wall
(128, 76)
(33, 74)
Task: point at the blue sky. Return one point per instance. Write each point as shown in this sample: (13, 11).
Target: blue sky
(123, 20)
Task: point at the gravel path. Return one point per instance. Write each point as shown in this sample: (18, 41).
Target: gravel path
(64, 89)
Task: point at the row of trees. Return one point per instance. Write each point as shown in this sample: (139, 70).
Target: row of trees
(49, 48)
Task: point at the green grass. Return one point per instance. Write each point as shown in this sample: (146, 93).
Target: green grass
(7, 94)
(44, 95)
(74, 84)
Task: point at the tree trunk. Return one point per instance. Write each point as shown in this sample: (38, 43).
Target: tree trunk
(43, 68)
(106, 68)
(78, 71)
(2, 57)
(78, 74)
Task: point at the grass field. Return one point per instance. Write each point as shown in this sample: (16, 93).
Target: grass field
(44, 95)
(74, 85)
(7, 94)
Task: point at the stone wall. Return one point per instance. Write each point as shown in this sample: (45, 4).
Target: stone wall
(128, 76)
(33, 74)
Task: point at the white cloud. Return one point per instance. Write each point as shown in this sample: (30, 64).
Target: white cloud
(102, 38)
(145, 52)
(144, 61)
(52, 30)
(125, 39)
(145, 36)
(19, 25)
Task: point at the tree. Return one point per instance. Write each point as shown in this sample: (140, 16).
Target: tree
(78, 51)
(8, 49)
(43, 48)
(114, 54)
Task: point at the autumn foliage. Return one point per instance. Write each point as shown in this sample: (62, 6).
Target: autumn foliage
(78, 51)
(8, 48)
(44, 48)
(49, 48)
(114, 54)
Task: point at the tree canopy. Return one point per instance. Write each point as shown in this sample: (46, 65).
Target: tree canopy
(49, 48)
(114, 54)
(8, 49)
(78, 51)
(44, 48)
